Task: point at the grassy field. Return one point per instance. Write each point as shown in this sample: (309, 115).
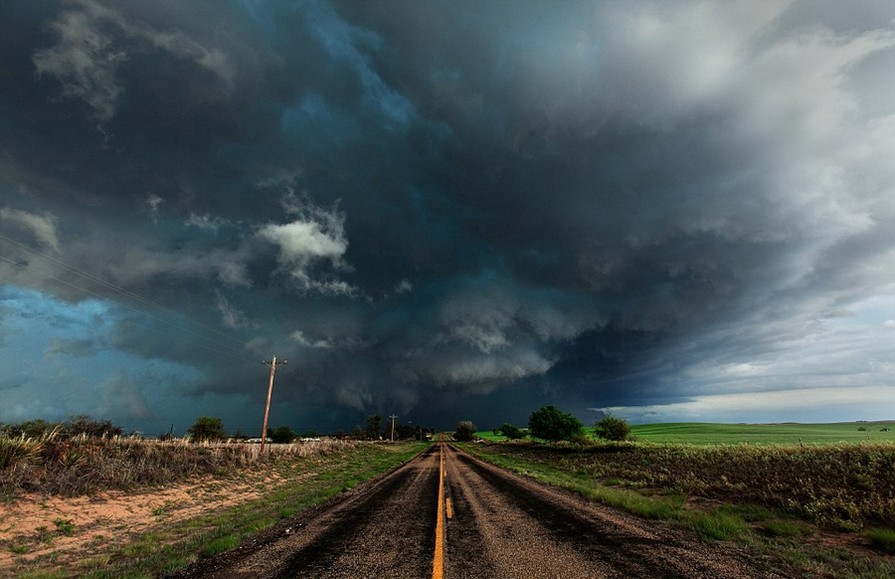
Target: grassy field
(786, 491)
(786, 433)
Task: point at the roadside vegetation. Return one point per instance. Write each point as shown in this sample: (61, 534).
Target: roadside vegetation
(785, 501)
(56, 463)
(83, 455)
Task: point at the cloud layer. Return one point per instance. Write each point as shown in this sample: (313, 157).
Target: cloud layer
(447, 208)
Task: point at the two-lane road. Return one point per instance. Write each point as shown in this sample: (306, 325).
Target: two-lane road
(487, 523)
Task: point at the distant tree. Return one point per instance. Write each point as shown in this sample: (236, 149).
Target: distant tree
(31, 428)
(83, 425)
(465, 431)
(551, 423)
(282, 435)
(373, 423)
(511, 432)
(207, 428)
(309, 433)
(358, 432)
(612, 428)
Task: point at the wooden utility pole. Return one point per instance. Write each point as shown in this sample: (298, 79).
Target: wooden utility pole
(273, 370)
(393, 426)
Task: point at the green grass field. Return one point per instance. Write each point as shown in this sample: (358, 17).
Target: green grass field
(785, 433)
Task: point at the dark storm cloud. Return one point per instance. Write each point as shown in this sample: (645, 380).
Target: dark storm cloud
(597, 204)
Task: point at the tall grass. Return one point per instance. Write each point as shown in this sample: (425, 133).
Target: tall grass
(83, 465)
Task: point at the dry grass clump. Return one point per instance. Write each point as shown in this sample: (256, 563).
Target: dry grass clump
(53, 465)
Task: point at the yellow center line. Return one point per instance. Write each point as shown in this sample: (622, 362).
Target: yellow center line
(438, 559)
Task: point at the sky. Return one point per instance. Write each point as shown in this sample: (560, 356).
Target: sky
(446, 210)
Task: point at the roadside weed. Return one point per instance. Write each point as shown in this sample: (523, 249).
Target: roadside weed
(65, 526)
(783, 529)
(716, 525)
(220, 545)
(882, 538)
(18, 548)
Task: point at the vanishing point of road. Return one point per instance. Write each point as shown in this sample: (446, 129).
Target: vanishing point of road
(446, 514)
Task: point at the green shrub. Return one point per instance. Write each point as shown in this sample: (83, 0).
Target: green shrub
(511, 432)
(612, 428)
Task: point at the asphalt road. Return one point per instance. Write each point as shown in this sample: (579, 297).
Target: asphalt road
(494, 525)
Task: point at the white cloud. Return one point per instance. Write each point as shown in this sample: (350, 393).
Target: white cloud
(889, 324)
(301, 242)
(316, 236)
(827, 404)
(43, 227)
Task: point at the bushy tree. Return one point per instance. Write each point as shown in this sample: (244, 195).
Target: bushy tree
(510, 431)
(551, 423)
(207, 428)
(281, 435)
(465, 431)
(612, 428)
(373, 422)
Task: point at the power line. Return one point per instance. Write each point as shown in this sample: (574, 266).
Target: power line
(216, 345)
(114, 287)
